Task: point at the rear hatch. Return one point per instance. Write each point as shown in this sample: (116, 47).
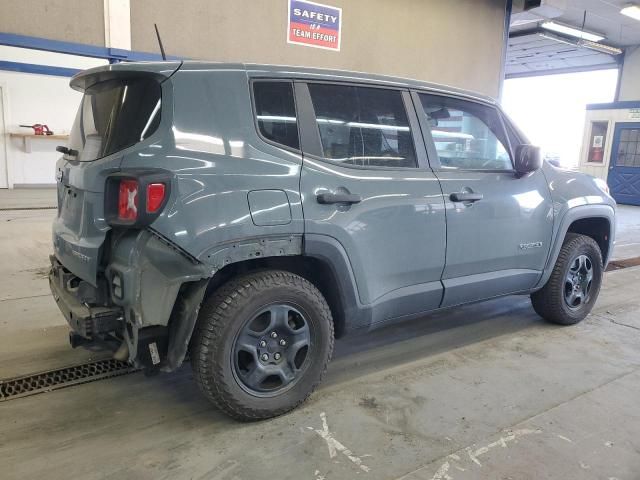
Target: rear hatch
(120, 109)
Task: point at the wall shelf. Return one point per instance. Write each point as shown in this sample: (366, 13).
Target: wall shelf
(28, 137)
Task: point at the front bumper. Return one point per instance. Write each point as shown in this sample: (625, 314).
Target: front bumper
(89, 321)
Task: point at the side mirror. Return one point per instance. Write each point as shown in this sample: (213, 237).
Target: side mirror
(528, 159)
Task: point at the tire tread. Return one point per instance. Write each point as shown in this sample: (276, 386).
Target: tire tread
(548, 302)
(216, 313)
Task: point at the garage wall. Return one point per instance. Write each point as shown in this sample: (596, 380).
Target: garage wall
(452, 42)
(79, 21)
(28, 103)
(630, 81)
(33, 98)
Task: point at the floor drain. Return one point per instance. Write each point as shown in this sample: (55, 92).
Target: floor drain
(63, 377)
(620, 264)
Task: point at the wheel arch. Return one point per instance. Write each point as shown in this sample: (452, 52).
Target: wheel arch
(595, 221)
(316, 270)
(598, 228)
(322, 261)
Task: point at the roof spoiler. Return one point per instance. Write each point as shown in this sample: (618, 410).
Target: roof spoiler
(160, 70)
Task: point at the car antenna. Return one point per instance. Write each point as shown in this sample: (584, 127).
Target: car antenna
(164, 57)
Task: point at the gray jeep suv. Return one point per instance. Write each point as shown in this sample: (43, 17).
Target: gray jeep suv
(247, 215)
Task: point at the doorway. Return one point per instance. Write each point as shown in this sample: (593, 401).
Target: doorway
(624, 168)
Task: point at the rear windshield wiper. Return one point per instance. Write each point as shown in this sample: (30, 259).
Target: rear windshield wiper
(67, 151)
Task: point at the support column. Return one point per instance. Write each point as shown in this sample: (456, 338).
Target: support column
(117, 24)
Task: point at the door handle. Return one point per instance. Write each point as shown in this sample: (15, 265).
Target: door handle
(328, 198)
(465, 197)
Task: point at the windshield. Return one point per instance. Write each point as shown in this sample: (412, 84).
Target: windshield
(114, 115)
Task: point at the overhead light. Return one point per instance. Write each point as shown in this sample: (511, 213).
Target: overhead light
(556, 38)
(599, 47)
(524, 21)
(572, 31)
(632, 11)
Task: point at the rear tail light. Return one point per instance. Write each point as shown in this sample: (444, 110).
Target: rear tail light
(155, 196)
(128, 200)
(136, 198)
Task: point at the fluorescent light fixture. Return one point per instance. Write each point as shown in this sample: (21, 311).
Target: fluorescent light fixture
(556, 38)
(600, 47)
(572, 31)
(632, 11)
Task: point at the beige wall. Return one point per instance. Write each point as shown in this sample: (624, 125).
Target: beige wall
(455, 42)
(630, 82)
(79, 21)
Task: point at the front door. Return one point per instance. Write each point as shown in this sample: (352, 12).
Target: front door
(498, 224)
(365, 183)
(624, 167)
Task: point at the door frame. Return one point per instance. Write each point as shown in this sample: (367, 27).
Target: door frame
(4, 112)
(613, 157)
(406, 300)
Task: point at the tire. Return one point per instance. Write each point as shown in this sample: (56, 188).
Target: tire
(558, 301)
(229, 368)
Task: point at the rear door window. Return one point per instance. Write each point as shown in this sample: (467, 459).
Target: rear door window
(467, 135)
(114, 115)
(275, 110)
(363, 126)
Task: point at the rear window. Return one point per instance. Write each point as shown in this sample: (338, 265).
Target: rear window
(276, 112)
(114, 115)
(363, 126)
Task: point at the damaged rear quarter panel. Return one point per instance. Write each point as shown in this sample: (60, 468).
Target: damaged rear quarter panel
(152, 273)
(219, 163)
(217, 158)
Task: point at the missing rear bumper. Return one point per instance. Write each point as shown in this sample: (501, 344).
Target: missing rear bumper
(85, 320)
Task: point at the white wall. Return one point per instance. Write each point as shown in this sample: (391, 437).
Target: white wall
(36, 99)
(30, 99)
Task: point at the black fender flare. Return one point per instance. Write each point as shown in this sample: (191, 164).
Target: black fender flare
(576, 213)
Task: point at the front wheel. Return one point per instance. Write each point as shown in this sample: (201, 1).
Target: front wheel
(573, 287)
(262, 344)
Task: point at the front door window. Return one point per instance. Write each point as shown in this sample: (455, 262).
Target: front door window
(466, 135)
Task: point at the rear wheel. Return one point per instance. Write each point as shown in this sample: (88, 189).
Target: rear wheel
(262, 344)
(574, 284)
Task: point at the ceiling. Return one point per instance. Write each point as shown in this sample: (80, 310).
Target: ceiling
(530, 54)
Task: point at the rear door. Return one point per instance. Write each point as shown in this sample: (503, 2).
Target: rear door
(365, 183)
(624, 167)
(115, 116)
(498, 224)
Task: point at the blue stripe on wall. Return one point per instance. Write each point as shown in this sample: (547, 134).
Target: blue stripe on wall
(614, 105)
(40, 69)
(80, 49)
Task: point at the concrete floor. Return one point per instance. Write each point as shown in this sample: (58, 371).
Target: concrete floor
(27, 198)
(484, 391)
(627, 232)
